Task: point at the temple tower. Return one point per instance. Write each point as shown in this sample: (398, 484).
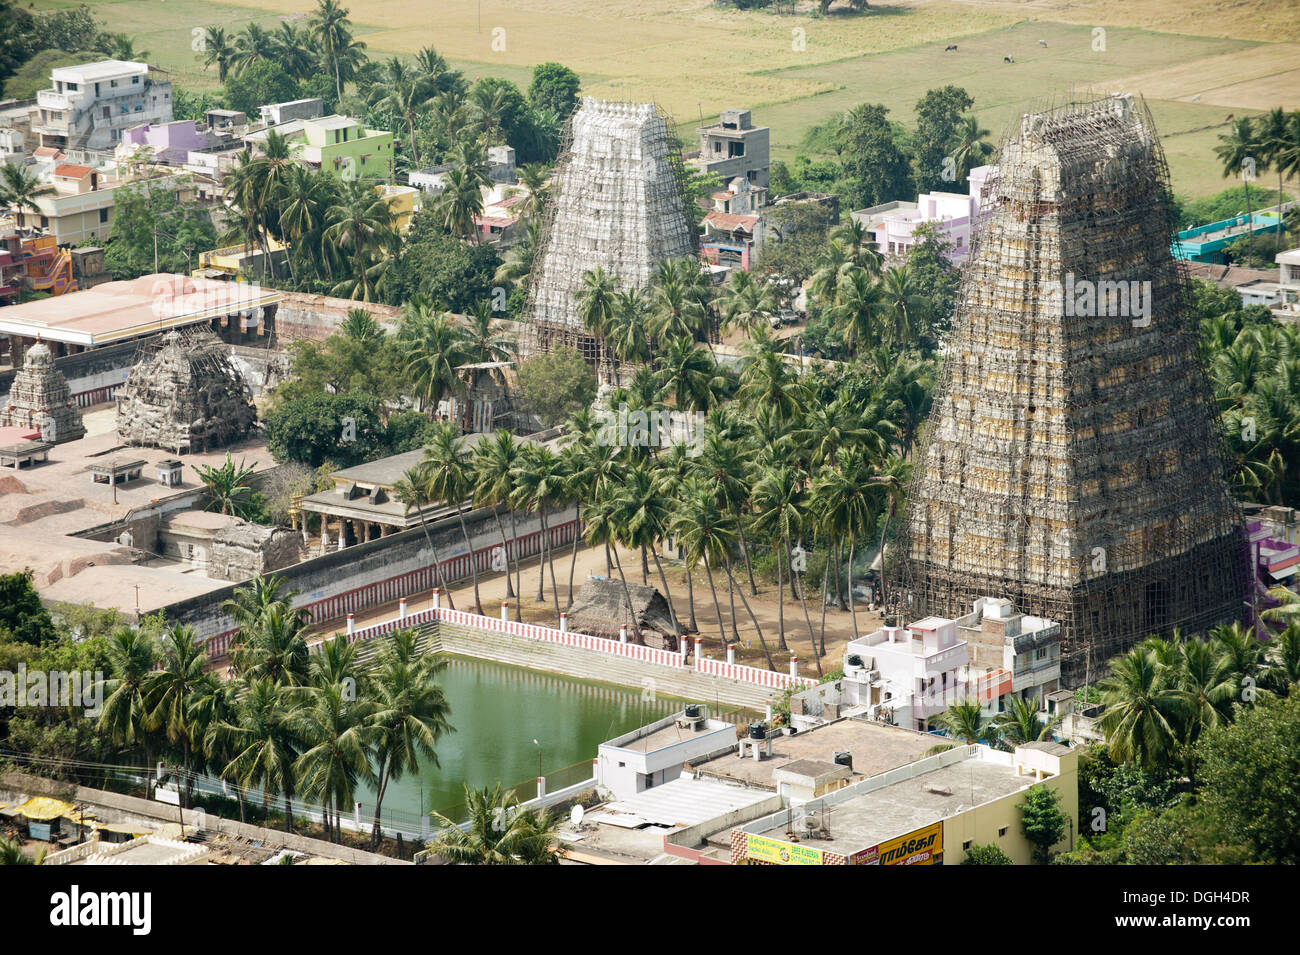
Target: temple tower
(1072, 462)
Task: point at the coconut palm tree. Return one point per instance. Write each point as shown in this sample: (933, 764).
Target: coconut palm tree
(459, 204)
(293, 50)
(494, 461)
(766, 381)
(436, 346)
(1283, 671)
(890, 483)
(856, 238)
(304, 198)
(691, 374)
(1241, 152)
(969, 147)
(726, 464)
(449, 474)
(904, 308)
(219, 49)
(330, 25)
(844, 507)
(533, 177)
(780, 502)
(254, 44)
(700, 527)
(1244, 657)
(261, 745)
(1020, 724)
(676, 309)
(518, 262)
(406, 99)
(747, 302)
(539, 482)
(124, 715)
(1143, 707)
(20, 189)
(411, 713)
(860, 308)
(627, 333)
(642, 515)
(498, 833)
(833, 264)
(966, 721)
(487, 342)
(173, 692)
(11, 853)
(274, 648)
(334, 733)
(412, 490)
(361, 222)
(596, 301)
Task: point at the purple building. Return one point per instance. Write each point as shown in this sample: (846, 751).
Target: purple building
(170, 142)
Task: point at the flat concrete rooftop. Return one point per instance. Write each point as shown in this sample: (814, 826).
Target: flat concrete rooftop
(911, 804)
(118, 311)
(876, 748)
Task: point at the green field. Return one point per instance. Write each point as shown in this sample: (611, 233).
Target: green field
(696, 58)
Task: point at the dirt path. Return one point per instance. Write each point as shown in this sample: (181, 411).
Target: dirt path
(839, 624)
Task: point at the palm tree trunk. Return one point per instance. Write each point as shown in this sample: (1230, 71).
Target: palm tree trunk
(473, 563)
(636, 629)
(731, 596)
(826, 569)
(812, 637)
(505, 549)
(288, 811)
(690, 600)
(669, 597)
(717, 607)
(732, 577)
(541, 559)
(744, 550)
(573, 563)
(645, 568)
(839, 590)
(379, 801)
(550, 563)
(884, 583)
(780, 607)
(853, 604)
(519, 569)
(437, 564)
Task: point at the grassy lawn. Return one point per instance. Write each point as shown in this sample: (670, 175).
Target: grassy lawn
(696, 58)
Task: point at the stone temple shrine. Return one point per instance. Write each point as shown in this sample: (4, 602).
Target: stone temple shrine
(41, 399)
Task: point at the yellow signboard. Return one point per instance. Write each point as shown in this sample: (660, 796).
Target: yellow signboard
(921, 847)
(781, 853)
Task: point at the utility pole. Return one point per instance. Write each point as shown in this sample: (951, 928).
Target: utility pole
(155, 248)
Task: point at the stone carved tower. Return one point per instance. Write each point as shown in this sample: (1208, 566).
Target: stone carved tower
(41, 399)
(1072, 462)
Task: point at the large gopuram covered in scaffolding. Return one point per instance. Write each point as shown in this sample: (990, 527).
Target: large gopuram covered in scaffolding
(184, 394)
(617, 205)
(1072, 463)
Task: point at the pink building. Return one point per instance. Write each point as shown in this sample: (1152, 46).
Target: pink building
(892, 225)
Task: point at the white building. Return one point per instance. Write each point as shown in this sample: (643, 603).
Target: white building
(892, 225)
(88, 106)
(654, 754)
(907, 675)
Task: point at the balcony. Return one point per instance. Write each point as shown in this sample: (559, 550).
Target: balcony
(50, 99)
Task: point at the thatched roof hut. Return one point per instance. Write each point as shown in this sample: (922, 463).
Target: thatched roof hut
(601, 608)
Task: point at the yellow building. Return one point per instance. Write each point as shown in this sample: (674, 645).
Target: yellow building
(231, 260)
(403, 201)
(930, 812)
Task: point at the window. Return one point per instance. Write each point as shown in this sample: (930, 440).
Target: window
(103, 215)
(966, 845)
(135, 81)
(1002, 832)
(1040, 653)
(112, 84)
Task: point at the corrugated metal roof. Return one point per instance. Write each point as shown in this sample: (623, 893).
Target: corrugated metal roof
(682, 802)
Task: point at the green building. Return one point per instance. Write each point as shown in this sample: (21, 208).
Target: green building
(343, 147)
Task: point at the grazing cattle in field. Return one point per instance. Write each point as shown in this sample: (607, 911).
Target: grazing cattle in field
(1008, 59)
(950, 47)
(1042, 43)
